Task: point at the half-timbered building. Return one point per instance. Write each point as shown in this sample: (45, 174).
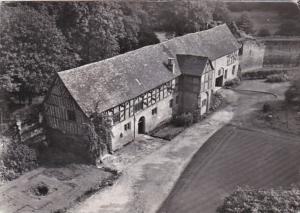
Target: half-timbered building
(141, 89)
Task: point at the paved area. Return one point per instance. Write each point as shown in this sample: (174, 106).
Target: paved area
(146, 183)
(46, 190)
(132, 152)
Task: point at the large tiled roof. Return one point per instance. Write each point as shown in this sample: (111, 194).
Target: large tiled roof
(191, 64)
(112, 81)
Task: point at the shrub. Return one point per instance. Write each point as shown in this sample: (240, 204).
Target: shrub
(196, 115)
(185, 119)
(232, 83)
(260, 74)
(266, 108)
(275, 78)
(263, 32)
(216, 101)
(16, 158)
(292, 95)
(250, 200)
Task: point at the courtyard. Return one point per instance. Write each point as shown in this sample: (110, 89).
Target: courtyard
(232, 152)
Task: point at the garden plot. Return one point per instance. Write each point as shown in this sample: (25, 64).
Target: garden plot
(52, 189)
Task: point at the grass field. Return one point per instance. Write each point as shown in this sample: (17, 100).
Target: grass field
(234, 157)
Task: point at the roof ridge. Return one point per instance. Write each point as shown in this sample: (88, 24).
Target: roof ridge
(163, 44)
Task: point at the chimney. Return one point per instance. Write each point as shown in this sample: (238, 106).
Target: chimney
(171, 64)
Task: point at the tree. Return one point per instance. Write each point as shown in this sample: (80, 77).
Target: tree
(245, 23)
(221, 12)
(32, 50)
(182, 17)
(138, 29)
(92, 29)
(263, 32)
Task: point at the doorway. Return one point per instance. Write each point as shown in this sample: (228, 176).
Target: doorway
(141, 125)
(219, 81)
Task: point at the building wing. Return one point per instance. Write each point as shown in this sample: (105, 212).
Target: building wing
(110, 82)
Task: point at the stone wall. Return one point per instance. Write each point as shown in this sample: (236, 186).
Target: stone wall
(252, 55)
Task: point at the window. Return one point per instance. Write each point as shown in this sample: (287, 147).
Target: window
(154, 111)
(231, 58)
(233, 70)
(127, 126)
(220, 71)
(71, 115)
(225, 75)
(177, 99)
(171, 103)
(138, 106)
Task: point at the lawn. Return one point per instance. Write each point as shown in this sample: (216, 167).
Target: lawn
(235, 157)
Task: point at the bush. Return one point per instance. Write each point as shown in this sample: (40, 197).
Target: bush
(196, 115)
(249, 200)
(292, 95)
(185, 119)
(216, 101)
(232, 83)
(266, 108)
(16, 158)
(263, 32)
(261, 74)
(276, 78)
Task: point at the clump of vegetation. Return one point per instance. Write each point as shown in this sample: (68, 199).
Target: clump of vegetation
(292, 95)
(185, 119)
(232, 83)
(252, 200)
(15, 158)
(263, 32)
(266, 108)
(99, 132)
(261, 74)
(196, 115)
(216, 101)
(245, 23)
(276, 78)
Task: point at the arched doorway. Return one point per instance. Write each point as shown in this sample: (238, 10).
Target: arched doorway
(141, 125)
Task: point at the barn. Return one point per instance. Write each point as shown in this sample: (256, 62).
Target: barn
(141, 89)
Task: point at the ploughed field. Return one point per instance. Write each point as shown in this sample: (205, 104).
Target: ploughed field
(235, 157)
